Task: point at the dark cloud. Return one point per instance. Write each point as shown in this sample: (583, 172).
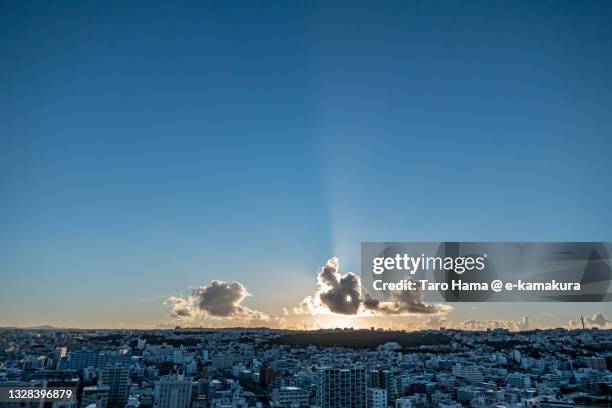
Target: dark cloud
(221, 299)
(183, 312)
(404, 301)
(342, 294)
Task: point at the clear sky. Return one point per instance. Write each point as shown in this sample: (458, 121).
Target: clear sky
(147, 148)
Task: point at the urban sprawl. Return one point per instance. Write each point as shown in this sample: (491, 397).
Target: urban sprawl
(341, 368)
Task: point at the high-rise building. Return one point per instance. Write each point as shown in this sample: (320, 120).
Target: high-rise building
(117, 378)
(173, 392)
(341, 388)
(267, 376)
(386, 380)
(376, 398)
(80, 359)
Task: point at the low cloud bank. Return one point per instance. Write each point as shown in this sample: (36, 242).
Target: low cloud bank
(597, 320)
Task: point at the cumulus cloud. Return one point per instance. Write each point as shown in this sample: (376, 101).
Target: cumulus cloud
(598, 320)
(180, 307)
(480, 325)
(435, 322)
(523, 324)
(341, 293)
(218, 300)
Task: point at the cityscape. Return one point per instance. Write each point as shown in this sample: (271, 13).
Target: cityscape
(335, 368)
(305, 204)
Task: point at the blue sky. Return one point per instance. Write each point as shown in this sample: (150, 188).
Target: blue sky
(146, 148)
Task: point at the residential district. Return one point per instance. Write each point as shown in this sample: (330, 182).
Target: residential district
(342, 368)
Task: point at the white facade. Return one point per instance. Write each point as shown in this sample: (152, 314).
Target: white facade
(376, 398)
(289, 397)
(173, 392)
(341, 388)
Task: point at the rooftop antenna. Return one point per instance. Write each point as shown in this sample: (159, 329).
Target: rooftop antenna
(582, 320)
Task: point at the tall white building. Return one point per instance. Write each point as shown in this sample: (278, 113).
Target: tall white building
(376, 398)
(173, 392)
(341, 388)
(117, 378)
